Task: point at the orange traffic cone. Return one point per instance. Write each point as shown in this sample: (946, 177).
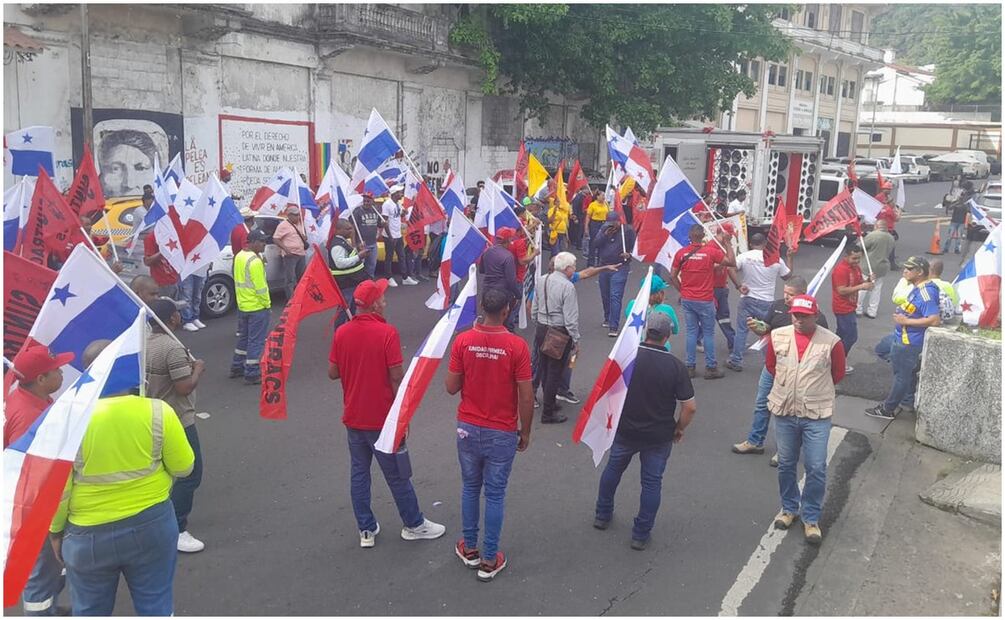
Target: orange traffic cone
(935, 246)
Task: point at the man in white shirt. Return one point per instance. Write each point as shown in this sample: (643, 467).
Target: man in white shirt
(756, 283)
(393, 242)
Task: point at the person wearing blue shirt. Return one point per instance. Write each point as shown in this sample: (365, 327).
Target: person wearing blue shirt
(913, 316)
(611, 246)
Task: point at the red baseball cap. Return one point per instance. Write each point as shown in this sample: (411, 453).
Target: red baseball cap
(369, 292)
(36, 359)
(505, 234)
(803, 304)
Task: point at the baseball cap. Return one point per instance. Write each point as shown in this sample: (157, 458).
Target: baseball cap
(163, 308)
(527, 201)
(505, 234)
(613, 218)
(256, 236)
(917, 262)
(803, 304)
(659, 325)
(657, 285)
(35, 359)
(395, 189)
(369, 291)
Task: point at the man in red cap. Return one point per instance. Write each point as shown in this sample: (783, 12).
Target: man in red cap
(806, 362)
(39, 374)
(366, 357)
(498, 265)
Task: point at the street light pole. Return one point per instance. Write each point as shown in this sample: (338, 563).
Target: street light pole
(85, 76)
(875, 100)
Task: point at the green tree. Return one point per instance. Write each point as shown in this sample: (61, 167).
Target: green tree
(642, 64)
(963, 41)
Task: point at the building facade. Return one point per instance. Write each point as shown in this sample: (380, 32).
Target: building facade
(257, 87)
(818, 89)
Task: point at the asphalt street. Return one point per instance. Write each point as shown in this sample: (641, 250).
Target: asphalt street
(275, 513)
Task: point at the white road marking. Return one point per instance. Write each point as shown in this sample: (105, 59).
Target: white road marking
(758, 562)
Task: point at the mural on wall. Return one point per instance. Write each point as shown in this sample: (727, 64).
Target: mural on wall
(256, 148)
(551, 151)
(125, 144)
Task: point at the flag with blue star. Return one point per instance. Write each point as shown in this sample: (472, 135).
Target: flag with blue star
(31, 148)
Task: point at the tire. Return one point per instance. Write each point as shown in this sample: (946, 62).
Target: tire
(218, 297)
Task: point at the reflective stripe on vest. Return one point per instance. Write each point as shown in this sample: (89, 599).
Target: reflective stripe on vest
(156, 430)
(247, 283)
(350, 253)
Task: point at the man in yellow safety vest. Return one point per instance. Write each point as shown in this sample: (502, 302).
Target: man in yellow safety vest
(251, 288)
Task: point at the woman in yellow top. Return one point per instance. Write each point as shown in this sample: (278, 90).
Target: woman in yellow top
(596, 214)
(558, 219)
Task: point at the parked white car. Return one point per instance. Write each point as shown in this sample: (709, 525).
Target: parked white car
(991, 200)
(975, 164)
(916, 169)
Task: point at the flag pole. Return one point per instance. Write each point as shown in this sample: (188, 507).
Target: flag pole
(861, 242)
(111, 242)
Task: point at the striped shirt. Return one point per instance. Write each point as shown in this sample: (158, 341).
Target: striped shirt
(168, 362)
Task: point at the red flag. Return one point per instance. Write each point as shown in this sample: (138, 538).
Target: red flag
(776, 235)
(85, 195)
(426, 209)
(852, 177)
(837, 213)
(25, 288)
(52, 227)
(316, 292)
(577, 181)
(520, 173)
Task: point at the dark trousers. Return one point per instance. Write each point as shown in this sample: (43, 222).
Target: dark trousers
(550, 371)
(395, 246)
(847, 330)
(183, 491)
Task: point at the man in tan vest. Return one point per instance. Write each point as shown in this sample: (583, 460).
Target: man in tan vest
(807, 362)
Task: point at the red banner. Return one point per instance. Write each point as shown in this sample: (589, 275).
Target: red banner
(316, 292)
(520, 173)
(577, 181)
(425, 210)
(52, 227)
(85, 195)
(776, 235)
(839, 212)
(25, 287)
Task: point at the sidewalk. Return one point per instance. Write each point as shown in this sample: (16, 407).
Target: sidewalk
(891, 554)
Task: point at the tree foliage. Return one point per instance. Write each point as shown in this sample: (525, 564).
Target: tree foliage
(963, 41)
(641, 64)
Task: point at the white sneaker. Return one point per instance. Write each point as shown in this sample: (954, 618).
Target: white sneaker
(190, 327)
(391, 282)
(189, 544)
(409, 281)
(848, 369)
(199, 324)
(427, 530)
(367, 538)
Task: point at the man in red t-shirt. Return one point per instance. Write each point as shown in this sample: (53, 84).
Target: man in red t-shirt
(846, 282)
(39, 375)
(239, 236)
(160, 269)
(490, 367)
(693, 274)
(366, 357)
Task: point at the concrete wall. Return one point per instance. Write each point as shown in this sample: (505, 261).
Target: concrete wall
(959, 395)
(156, 71)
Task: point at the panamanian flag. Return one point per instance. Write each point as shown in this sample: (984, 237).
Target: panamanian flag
(30, 148)
(979, 283)
(377, 146)
(667, 217)
(208, 229)
(628, 155)
(453, 196)
(462, 248)
(598, 422)
(423, 366)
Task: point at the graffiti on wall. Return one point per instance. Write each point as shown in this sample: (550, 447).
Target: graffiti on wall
(125, 143)
(551, 151)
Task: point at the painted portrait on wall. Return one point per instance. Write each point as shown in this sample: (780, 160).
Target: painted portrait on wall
(125, 144)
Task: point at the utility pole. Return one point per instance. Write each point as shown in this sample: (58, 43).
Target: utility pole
(85, 76)
(875, 99)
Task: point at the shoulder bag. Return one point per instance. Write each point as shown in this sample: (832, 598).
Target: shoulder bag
(555, 339)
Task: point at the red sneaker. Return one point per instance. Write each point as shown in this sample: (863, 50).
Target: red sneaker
(487, 572)
(470, 557)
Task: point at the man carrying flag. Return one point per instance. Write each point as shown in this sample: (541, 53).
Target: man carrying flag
(490, 367)
(366, 358)
(648, 427)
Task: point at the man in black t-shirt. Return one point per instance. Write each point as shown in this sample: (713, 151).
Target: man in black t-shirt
(648, 427)
(368, 221)
(778, 316)
(957, 225)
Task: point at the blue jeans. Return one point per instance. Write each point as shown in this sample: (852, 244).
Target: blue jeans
(612, 290)
(340, 315)
(722, 317)
(44, 584)
(252, 329)
(183, 491)
(762, 417)
(143, 548)
(906, 361)
(702, 312)
(370, 260)
(486, 456)
(883, 347)
(793, 434)
(956, 232)
(397, 470)
(653, 462)
(748, 307)
(847, 330)
(191, 294)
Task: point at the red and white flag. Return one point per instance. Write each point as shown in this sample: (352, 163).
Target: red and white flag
(423, 366)
(598, 422)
